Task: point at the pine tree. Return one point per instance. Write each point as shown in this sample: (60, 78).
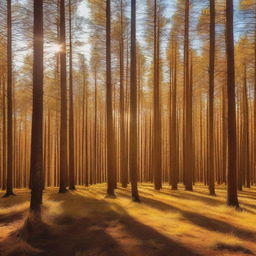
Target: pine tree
(63, 86)
(110, 128)
(71, 107)
(9, 185)
(36, 165)
(133, 108)
(232, 174)
(211, 97)
(188, 146)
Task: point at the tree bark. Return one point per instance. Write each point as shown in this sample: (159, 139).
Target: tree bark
(110, 128)
(71, 109)
(157, 131)
(63, 87)
(188, 145)
(232, 174)
(245, 133)
(4, 134)
(173, 124)
(133, 108)
(211, 97)
(9, 185)
(123, 144)
(36, 167)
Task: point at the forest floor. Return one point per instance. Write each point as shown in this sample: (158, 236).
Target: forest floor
(165, 223)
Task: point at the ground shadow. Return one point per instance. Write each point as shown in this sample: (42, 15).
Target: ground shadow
(88, 235)
(153, 242)
(11, 217)
(210, 201)
(202, 221)
(6, 202)
(69, 236)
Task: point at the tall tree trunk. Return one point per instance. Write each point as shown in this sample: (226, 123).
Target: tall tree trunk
(187, 146)
(9, 185)
(63, 87)
(36, 167)
(231, 175)
(71, 108)
(84, 148)
(133, 108)
(49, 155)
(224, 132)
(211, 97)
(245, 131)
(110, 128)
(123, 144)
(4, 133)
(173, 125)
(254, 148)
(95, 159)
(157, 134)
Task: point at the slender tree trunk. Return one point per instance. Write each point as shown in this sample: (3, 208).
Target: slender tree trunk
(84, 141)
(86, 147)
(123, 145)
(71, 109)
(9, 185)
(245, 130)
(231, 175)
(187, 146)
(44, 152)
(49, 150)
(110, 128)
(63, 86)
(173, 125)
(36, 167)
(254, 148)
(95, 159)
(4, 134)
(211, 97)
(157, 136)
(224, 132)
(133, 108)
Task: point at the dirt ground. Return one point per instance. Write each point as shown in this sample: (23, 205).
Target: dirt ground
(165, 223)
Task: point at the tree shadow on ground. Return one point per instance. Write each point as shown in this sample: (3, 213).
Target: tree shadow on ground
(153, 242)
(202, 221)
(249, 205)
(11, 201)
(13, 208)
(11, 217)
(128, 190)
(88, 235)
(207, 200)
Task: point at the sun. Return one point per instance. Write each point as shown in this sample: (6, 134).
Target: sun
(54, 48)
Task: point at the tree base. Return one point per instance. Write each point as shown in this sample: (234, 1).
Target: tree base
(189, 188)
(234, 205)
(113, 196)
(7, 194)
(63, 190)
(34, 229)
(72, 188)
(136, 198)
